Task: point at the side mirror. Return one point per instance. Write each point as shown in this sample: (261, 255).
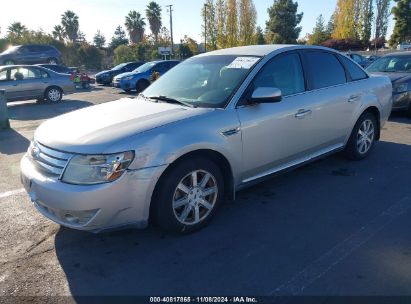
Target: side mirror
(266, 95)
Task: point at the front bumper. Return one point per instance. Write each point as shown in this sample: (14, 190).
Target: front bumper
(401, 101)
(95, 208)
(124, 84)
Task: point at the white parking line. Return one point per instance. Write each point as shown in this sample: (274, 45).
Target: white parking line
(10, 193)
(331, 258)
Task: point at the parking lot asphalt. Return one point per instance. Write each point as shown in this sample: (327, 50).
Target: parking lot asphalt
(334, 227)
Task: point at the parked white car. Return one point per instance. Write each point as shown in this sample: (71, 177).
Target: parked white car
(214, 124)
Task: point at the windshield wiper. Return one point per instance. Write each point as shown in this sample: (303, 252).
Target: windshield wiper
(171, 100)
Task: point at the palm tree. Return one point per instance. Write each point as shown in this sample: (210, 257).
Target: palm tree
(16, 29)
(135, 26)
(58, 32)
(70, 23)
(153, 14)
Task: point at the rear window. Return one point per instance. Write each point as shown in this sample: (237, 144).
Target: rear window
(355, 72)
(325, 70)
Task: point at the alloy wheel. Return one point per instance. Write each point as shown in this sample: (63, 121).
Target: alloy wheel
(54, 95)
(195, 197)
(365, 136)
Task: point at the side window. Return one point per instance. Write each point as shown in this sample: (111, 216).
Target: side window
(27, 73)
(325, 70)
(355, 72)
(283, 72)
(3, 75)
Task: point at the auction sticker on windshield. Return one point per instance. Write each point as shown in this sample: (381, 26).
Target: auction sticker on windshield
(243, 63)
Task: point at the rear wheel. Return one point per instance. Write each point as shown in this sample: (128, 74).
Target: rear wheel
(409, 111)
(53, 95)
(142, 85)
(188, 195)
(362, 138)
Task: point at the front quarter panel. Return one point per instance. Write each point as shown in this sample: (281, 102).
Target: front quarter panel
(164, 145)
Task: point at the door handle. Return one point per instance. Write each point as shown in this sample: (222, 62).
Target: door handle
(302, 113)
(353, 98)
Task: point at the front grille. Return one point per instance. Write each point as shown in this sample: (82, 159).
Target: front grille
(49, 160)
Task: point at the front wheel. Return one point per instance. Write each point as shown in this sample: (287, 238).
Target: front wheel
(142, 85)
(188, 195)
(54, 95)
(362, 138)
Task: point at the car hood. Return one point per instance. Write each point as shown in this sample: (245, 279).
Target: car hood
(122, 75)
(395, 77)
(96, 128)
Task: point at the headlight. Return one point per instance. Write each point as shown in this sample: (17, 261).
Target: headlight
(128, 78)
(400, 88)
(97, 169)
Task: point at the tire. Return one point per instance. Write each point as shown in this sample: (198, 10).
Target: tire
(9, 62)
(409, 111)
(362, 138)
(53, 95)
(142, 85)
(180, 207)
(52, 61)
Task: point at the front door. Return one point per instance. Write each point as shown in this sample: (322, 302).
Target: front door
(276, 134)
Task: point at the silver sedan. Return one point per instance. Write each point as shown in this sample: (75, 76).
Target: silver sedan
(214, 124)
(23, 82)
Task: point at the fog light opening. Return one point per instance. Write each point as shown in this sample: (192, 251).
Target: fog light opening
(72, 219)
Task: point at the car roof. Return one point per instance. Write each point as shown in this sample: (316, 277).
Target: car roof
(262, 50)
(406, 53)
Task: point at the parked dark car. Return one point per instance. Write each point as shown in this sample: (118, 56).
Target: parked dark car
(30, 54)
(106, 77)
(397, 66)
(359, 59)
(23, 82)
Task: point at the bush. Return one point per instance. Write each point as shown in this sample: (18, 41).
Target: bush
(344, 44)
(90, 56)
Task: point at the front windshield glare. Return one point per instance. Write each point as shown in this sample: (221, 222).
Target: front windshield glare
(205, 81)
(145, 67)
(391, 64)
(120, 66)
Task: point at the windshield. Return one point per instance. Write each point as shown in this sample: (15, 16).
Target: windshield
(205, 81)
(11, 49)
(145, 67)
(119, 67)
(391, 64)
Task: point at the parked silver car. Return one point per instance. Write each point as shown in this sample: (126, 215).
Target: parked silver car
(214, 124)
(23, 82)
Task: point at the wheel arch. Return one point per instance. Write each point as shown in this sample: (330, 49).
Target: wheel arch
(218, 158)
(377, 114)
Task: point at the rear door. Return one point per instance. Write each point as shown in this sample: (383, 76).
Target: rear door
(34, 82)
(332, 99)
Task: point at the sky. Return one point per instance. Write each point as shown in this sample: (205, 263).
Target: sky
(105, 15)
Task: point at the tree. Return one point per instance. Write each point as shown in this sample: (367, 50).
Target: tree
(135, 26)
(164, 38)
(231, 23)
(70, 23)
(58, 32)
(81, 37)
(91, 56)
(345, 20)
(282, 25)
(320, 32)
(402, 17)
(366, 19)
(153, 14)
(382, 17)
(259, 36)
(247, 22)
(119, 38)
(99, 40)
(209, 16)
(221, 19)
(16, 29)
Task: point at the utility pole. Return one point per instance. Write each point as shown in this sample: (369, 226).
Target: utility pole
(170, 9)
